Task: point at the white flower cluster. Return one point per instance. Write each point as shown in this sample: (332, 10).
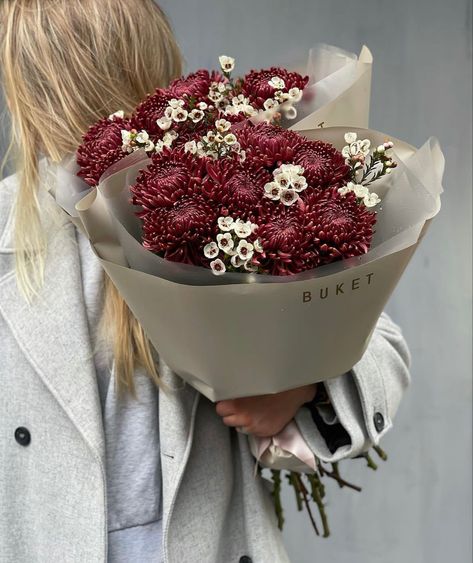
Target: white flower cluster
(218, 93)
(287, 184)
(356, 150)
(217, 143)
(177, 113)
(240, 104)
(370, 199)
(282, 101)
(232, 241)
(134, 140)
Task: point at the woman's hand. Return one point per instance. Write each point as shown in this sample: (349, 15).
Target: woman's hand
(265, 415)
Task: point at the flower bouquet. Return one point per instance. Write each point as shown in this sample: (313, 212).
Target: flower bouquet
(251, 251)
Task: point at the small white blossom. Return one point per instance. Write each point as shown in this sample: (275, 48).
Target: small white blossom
(218, 267)
(258, 246)
(350, 137)
(225, 223)
(270, 104)
(277, 83)
(283, 179)
(281, 97)
(381, 149)
(179, 114)
(288, 196)
(290, 112)
(371, 200)
(242, 228)
(236, 261)
(222, 125)
(215, 96)
(299, 183)
(168, 138)
(272, 190)
(211, 250)
(295, 94)
(142, 137)
(249, 267)
(242, 156)
(245, 249)
(202, 106)
(230, 139)
(149, 146)
(227, 63)
(225, 241)
(175, 104)
(126, 137)
(120, 114)
(168, 112)
(360, 191)
(196, 115)
(164, 123)
(191, 146)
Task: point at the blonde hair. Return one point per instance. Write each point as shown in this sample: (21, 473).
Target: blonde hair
(66, 64)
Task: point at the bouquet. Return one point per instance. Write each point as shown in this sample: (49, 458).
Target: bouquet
(243, 239)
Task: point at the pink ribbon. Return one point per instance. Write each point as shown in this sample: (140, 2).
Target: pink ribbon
(290, 440)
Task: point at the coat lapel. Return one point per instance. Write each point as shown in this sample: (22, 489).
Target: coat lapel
(53, 332)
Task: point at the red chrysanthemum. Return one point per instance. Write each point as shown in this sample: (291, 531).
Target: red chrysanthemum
(286, 234)
(149, 111)
(256, 83)
(268, 144)
(323, 164)
(343, 228)
(194, 85)
(239, 187)
(100, 148)
(177, 216)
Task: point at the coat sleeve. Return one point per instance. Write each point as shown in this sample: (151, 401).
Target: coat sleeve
(363, 402)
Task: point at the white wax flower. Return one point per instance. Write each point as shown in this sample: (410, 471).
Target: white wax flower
(225, 223)
(190, 146)
(120, 114)
(242, 228)
(179, 114)
(175, 104)
(283, 179)
(236, 261)
(142, 137)
(288, 196)
(202, 106)
(225, 241)
(272, 190)
(149, 146)
(164, 123)
(371, 200)
(227, 64)
(245, 249)
(196, 115)
(218, 267)
(222, 125)
(350, 137)
(230, 139)
(258, 246)
(211, 250)
(277, 83)
(270, 104)
(299, 183)
(295, 94)
(360, 191)
(290, 112)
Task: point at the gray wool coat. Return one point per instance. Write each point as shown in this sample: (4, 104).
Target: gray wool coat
(52, 479)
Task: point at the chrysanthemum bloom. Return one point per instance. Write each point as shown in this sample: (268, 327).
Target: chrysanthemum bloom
(256, 84)
(239, 187)
(343, 228)
(194, 85)
(178, 218)
(101, 147)
(150, 110)
(268, 144)
(323, 164)
(287, 237)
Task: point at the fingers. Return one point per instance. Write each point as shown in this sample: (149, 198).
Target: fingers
(225, 408)
(237, 420)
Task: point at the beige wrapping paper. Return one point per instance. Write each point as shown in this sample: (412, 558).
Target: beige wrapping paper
(243, 334)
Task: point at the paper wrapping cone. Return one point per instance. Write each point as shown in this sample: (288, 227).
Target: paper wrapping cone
(246, 334)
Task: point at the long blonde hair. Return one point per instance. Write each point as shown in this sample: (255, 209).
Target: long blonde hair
(66, 64)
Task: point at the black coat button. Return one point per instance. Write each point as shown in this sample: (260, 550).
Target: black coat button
(245, 559)
(22, 436)
(378, 421)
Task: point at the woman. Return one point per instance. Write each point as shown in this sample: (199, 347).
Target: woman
(105, 453)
